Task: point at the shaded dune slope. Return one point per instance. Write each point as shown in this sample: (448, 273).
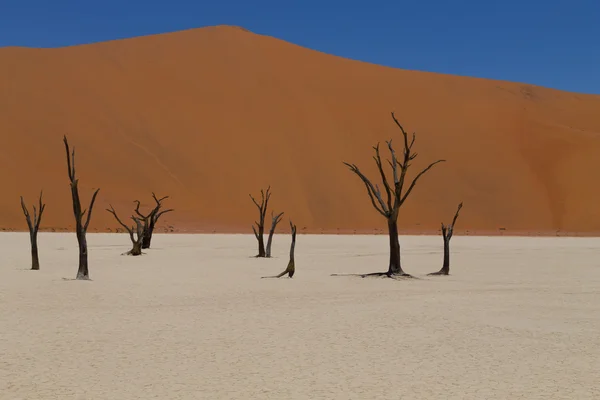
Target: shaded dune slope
(210, 115)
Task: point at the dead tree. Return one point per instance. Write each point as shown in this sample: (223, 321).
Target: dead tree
(447, 232)
(150, 219)
(291, 267)
(80, 227)
(136, 239)
(274, 221)
(34, 226)
(394, 192)
(259, 230)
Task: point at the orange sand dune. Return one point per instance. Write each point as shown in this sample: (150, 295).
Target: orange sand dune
(210, 115)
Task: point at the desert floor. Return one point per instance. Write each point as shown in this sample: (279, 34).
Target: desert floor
(191, 319)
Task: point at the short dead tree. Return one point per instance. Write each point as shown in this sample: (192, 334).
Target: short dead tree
(274, 221)
(34, 226)
(136, 239)
(395, 194)
(149, 220)
(447, 232)
(80, 227)
(291, 267)
(259, 230)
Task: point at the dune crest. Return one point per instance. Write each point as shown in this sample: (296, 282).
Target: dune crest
(209, 115)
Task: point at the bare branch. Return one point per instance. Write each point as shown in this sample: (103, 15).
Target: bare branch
(394, 162)
(255, 232)
(451, 229)
(386, 185)
(371, 190)
(138, 212)
(407, 146)
(73, 161)
(139, 226)
(414, 182)
(456, 215)
(276, 218)
(157, 200)
(266, 202)
(42, 207)
(255, 202)
(89, 216)
(114, 213)
(158, 215)
(27, 216)
(70, 163)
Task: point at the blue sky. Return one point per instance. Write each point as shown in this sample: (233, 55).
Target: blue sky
(554, 43)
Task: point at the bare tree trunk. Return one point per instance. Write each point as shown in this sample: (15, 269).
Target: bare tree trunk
(35, 259)
(259, 230)
(446, 265)
(80, 227)
(34, 226)
(136, 250)
(261, 243)
(291, 268)
(274, 222)
(395, 267)
(148, 231)
(447, 232)
(83, 271)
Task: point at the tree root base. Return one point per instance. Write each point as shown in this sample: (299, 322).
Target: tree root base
(130, 253)
(403, 275)
(75, 279)
(439, 273)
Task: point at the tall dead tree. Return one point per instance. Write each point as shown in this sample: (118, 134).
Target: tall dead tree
(447, 232)
(150, 219)
(259, 230)
(136, 239)
(80, 227)
(394, 192)
(291, 267)
(34, 226)
(274, 221)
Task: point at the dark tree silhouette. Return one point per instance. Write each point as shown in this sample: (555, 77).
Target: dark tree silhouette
(291, 267)
(149, 220)
(447, 232)
(136, 239)
(259, 230)
(80, 227)
(274, 221)
(394, 192)
(34, 226)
